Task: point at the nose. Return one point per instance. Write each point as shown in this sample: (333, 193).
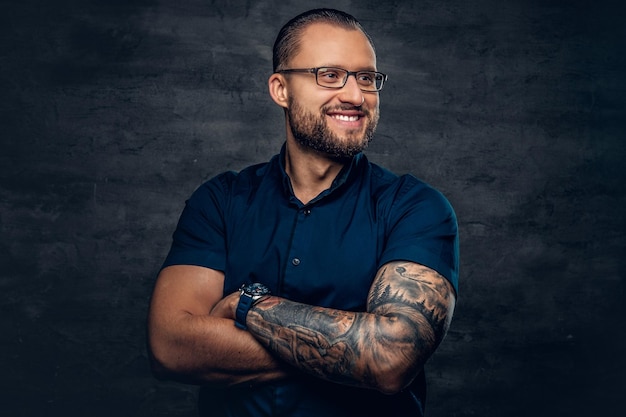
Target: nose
(351, 92)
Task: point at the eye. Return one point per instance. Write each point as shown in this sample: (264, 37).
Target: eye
(366, 78)
(330, 75)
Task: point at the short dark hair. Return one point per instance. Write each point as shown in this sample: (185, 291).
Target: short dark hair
(288, 40)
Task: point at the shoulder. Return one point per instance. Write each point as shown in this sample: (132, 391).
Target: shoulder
(403, 191)
(246, 176)
(230, 182)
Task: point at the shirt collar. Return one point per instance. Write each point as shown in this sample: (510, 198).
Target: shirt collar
(346, 176)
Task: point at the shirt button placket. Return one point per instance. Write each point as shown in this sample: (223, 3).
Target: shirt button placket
(306, 212)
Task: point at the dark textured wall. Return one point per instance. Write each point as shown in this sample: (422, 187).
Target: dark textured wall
(112, 112)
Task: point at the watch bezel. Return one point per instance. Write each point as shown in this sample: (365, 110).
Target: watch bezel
(249, 295)
(255, 290)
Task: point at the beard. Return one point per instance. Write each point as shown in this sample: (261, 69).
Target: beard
(312, 131)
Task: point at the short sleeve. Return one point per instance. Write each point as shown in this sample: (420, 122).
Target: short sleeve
(199, 238)
(422, 228)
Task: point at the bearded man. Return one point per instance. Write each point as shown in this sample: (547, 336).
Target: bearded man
(318, 283)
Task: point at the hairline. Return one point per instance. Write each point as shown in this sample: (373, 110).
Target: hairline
(289, 40)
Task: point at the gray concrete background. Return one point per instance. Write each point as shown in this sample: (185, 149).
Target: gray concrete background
(113, 112)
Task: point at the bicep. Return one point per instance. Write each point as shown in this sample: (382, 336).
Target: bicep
(415, 295)
(186, 289)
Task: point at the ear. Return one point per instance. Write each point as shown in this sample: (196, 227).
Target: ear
(278, 89)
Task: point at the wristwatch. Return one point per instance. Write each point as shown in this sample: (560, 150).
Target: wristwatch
(250, 294)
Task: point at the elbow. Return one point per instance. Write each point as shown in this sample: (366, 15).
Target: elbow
(399, 363)
(159, 365)
(400, 370)
(392, 388)
(165, 364)
(403, 367)
(162, 359)
(159, 369)
(394, 380)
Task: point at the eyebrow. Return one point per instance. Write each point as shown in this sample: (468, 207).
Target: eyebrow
(340, 66)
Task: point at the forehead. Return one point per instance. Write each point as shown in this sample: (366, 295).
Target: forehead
(325, 44)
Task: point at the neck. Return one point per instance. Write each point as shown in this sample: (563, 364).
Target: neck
(310, 171)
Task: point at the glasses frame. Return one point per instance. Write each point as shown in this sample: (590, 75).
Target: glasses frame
(345, 80)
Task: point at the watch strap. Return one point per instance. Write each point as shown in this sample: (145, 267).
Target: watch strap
(245, 302)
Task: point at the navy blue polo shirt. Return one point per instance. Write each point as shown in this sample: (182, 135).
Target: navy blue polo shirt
(326, 253)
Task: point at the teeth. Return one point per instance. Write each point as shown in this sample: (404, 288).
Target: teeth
(346, 118)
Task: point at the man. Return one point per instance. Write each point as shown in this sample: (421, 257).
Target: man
(317, 284)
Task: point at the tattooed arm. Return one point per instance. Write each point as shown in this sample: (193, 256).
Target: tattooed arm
(409, 310)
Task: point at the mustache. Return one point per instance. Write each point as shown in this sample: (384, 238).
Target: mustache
(344, 107)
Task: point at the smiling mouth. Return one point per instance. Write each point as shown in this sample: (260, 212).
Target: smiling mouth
(345, 118)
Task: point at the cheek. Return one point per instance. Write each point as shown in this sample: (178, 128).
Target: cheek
(375, 109)
(314, 98)
(372, 102)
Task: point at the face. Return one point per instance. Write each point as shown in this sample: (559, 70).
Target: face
(337, 122)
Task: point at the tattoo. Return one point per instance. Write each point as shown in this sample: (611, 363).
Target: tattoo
(419, 288)
(409, 310)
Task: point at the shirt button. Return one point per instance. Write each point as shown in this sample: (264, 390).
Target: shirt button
(307, 212)
(295, 261)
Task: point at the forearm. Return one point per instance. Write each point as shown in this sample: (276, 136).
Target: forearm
(409, 311)
(358, 349)
(201, 349)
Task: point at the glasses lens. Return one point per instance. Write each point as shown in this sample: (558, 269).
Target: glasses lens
(337, 77)
(331, 77)
(379, 81)
(369, 80)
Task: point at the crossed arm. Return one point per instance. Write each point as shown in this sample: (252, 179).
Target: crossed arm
(408, 313)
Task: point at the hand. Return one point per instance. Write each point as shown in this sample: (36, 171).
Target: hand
(226, 307)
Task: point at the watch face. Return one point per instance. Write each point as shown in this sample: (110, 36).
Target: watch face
(256, 289)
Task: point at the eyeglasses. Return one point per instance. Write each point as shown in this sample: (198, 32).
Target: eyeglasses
(329, 77)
